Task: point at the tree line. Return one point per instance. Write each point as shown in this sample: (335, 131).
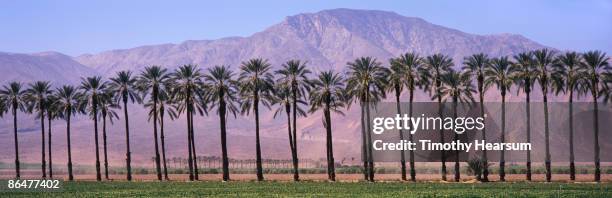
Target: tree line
(296, 91)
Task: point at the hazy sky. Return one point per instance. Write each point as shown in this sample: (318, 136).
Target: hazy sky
(77, 27)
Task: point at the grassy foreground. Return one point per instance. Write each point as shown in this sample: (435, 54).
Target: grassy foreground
(322, 189)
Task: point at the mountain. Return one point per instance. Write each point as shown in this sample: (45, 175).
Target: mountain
(327, 39)
(52, 66)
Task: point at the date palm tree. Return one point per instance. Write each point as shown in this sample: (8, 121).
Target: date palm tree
(149, 82)
(328, 94)
(93, 88)
(411, 64)
(596, 68)
(186, 84)
(294, 75)
(68, 104)
(501, 74)
(36, 96)
(106, 109)
(124, 86)
(544, 60)
(434, 67)
(221, 91)
(525, 79)
(476, 64)
(570, 74)
(52, 113)
(13, 98)
(165, 106)
(255, 87)
(457, 87)
(366, 81)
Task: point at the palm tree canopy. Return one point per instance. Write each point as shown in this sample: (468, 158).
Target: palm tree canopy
(525, 75)
(255, 78)
(219, 83)
(92, 87)
(37, 96)
(500, 73)
(295, 75)
(366, 79)
(13, 96)
(410, 66)
(476, 64)
(544, 60)
(570, 74)
(185, 85)
(107, 106)
(597, 71)
(433, 68)
(124, 85)
(328, 86)
(282, 97)
(68, 101)
(457, 87)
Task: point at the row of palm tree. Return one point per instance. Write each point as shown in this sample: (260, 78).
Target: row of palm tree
(189, 91)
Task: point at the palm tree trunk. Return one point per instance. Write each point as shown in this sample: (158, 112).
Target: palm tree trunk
(485, 171)
(128, 155)
(190, 158)
(330, 162)
(157, 161)
(502, 160)
(369, 136)
(291, 146)
(442, 153)
(163, 142)
(410, 138)
(17, 169)
(528, 112)
(401, 133)
(296, 173)
(50, 156)
(105, 149)
(546, 134)
(222, 109)
(571, 135)
(70, 175)
(364, 152)
(196, 170)
(42, 134)
(596, 133)
(95, 117)
(457, 167)
(257, 143)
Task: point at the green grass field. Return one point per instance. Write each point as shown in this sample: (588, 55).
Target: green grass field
(322, 189)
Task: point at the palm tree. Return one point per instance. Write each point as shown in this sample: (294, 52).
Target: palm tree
(13, 97)
(544, 60)
(164, 106)
(255, 86)
(123, 84)
(570, 74)
(52, 113)
(596, 69)
(367, 81)
(221, 89)
(106, 108)
(294, 75)
(397, 81)
(149, 82)
(476, 64)
(36, 96)
(68, 105)
(186, 87)
(501, 74)
(525, 79)
(328, 94)
(92, 88)
(457, 87)
(411, 66)
(436, 65)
